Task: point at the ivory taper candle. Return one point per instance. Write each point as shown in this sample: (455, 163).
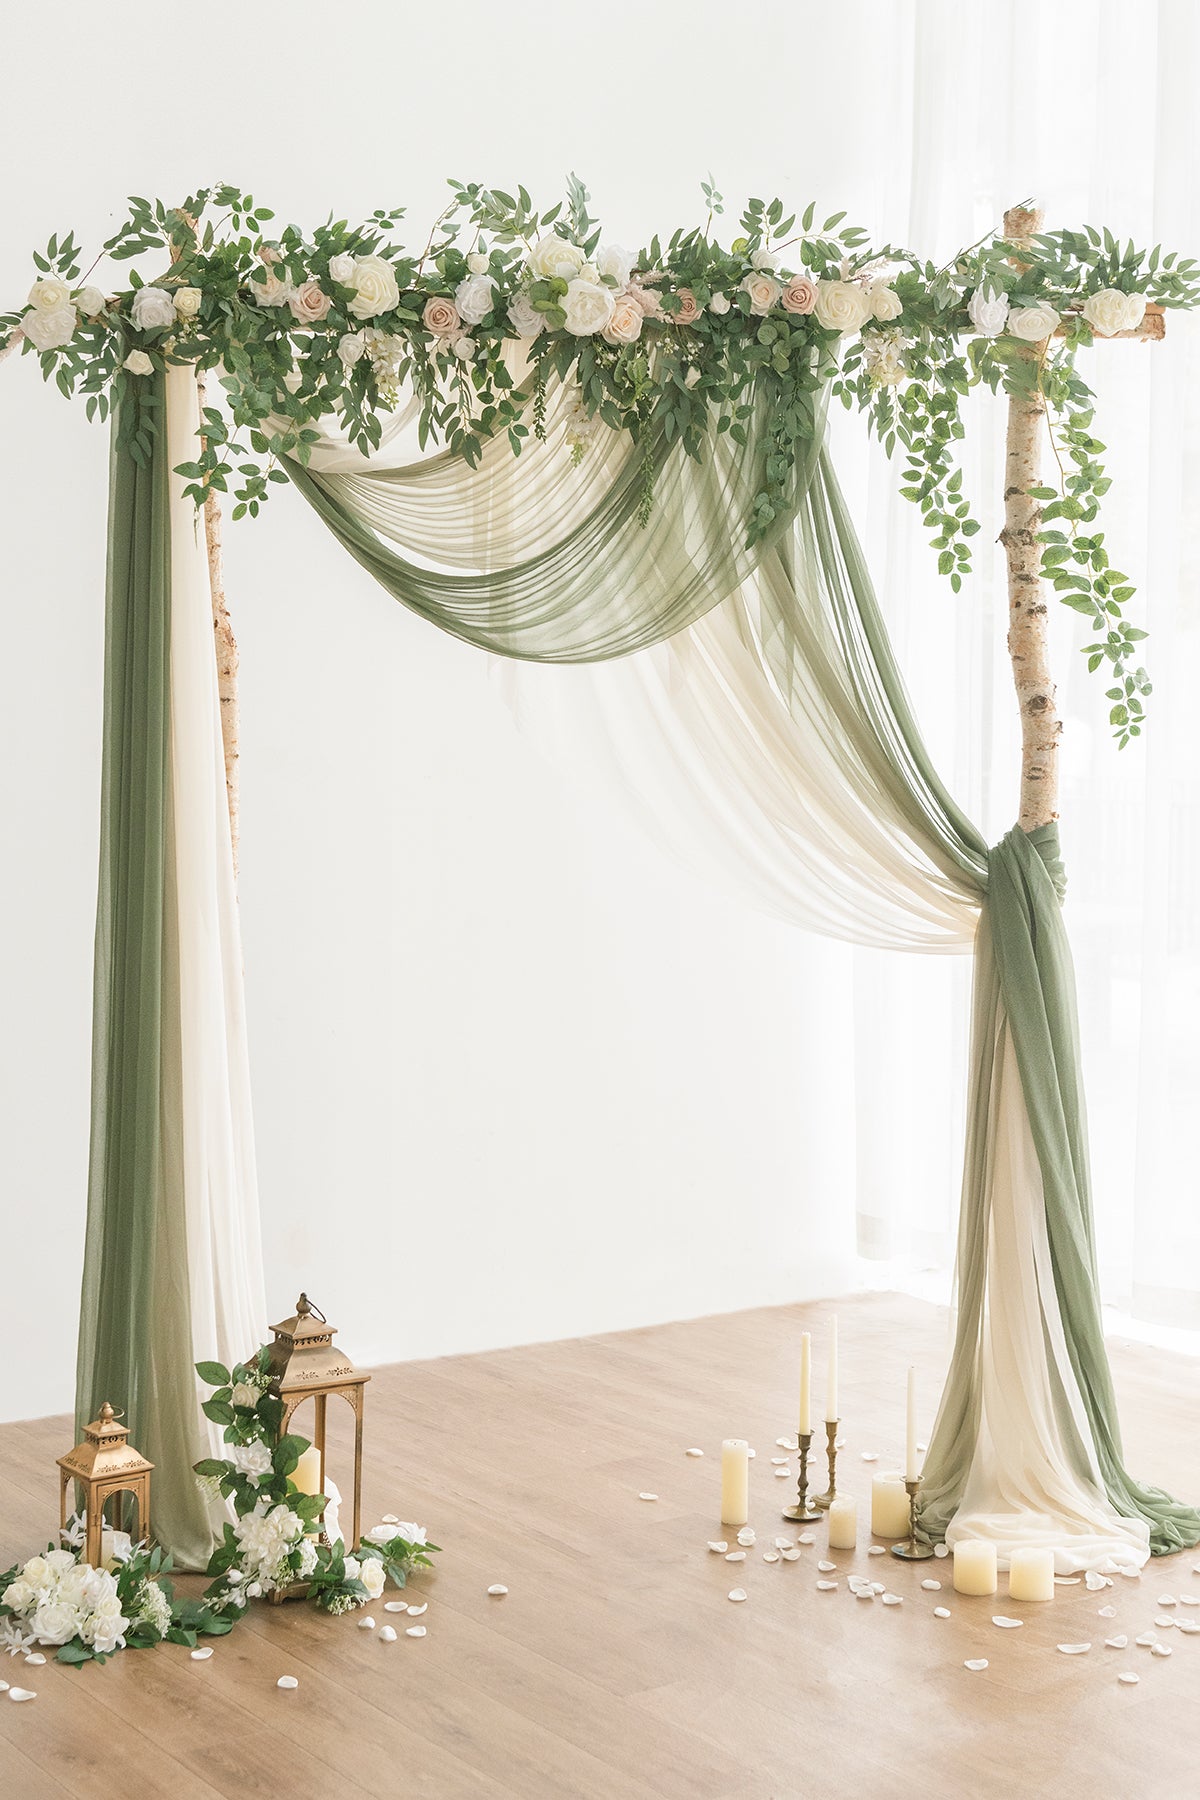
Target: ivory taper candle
(912, 1466)
(831, 1393)
(889, 1506)
(735, 1481)
(805, 1383)
(974, 1567)
(1031, 1574)
(843, 1523)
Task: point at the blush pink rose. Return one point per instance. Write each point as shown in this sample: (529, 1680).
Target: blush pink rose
(799, 296)
(647, 298)
(625, 323)
(308, 304)
(689, 307)
(441, 316)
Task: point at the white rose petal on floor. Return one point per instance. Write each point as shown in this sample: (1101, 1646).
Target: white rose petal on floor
(287, 1681)
(827, 1568)
(1116, 1643)
(826, 1587)
(1107, 1612)
(693, 1452)
(647, 1496)
(497, 1588)
(736, 1594)
(1129, 1678)
(19, 1694)
(1006, 1624)
(736, 1556)
(415, 1631)
(941, 1612)
(976, 1663)
(1161, 1650)
(1146, 1640)
(387, 1634)
(1074, 1649)
(201, 1655)
(367, 1624)
(401, 1605)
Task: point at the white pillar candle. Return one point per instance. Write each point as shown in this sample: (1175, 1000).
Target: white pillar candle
(108, 1549)
(912, 1466)
(889, 1506)
(974, 1567)
(1031, 1574)
(805, 1383)
(831, 1396)
(306, 1476)
(735, 1481)
(843, 1523)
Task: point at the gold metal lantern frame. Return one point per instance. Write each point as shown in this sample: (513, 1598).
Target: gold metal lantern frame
(306, 1364)
(104, 1464)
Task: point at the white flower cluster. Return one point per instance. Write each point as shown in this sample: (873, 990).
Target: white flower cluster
(57, 1598)
(267, 1539)
(603, 298)
(1107, 312)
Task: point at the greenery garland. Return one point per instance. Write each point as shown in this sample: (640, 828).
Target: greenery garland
(679, 339)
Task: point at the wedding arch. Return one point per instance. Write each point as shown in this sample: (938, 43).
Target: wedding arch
(633, 453)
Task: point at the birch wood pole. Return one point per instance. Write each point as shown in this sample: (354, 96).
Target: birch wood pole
(1028, 612)
(225, 645)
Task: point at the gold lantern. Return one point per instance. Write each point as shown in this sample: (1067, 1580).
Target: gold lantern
(105, 1464)
(305, 1363)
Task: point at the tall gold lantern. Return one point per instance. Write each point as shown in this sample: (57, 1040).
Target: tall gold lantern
(105, 1464)
(305, 1363)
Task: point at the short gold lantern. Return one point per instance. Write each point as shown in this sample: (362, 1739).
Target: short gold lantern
(305, 1363)
(105, 1464)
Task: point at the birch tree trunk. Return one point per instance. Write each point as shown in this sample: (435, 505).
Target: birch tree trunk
(225, 646)
(1028, 613)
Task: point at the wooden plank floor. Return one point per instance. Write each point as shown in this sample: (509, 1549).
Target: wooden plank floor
(615, 1667)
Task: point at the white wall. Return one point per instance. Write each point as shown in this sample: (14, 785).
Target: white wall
(515, 1076)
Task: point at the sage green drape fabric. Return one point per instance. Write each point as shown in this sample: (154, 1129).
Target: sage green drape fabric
(135, 1338)
(799, 610)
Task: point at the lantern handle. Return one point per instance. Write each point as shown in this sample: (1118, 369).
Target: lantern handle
(306, 1309)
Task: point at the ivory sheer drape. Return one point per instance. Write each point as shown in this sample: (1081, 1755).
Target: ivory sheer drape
(788, 714)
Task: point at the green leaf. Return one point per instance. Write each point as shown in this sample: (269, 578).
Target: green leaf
(214, 1373)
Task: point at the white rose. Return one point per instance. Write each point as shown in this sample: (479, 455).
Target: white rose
(553, 257)
(272, 291)
(763, 290)
(352, 1568)
(341, 269)
(90, 302)
(382, 1534)
(108, 1635)
(308, 1557)
(351, 347)
(1032, 323)
(464, 347)
(841, 306)
(18, 1594)
(36, 1570)
(49, 330)
(138, 363)
(374, 285)
(1109, 311)
(187, 302)
(254, 1589)
(719, 303)
(886, 303)
(49, 294)
(614, 262)
(372, 1576)
(250, 1459)
(763, 259)
(55, 1622)
(153, 309)
(477, 263)
(59, 1561)
(412, 1534)
(244, 1395)
(474, 298)
(588, 306)
(523, 316)
(988, 315)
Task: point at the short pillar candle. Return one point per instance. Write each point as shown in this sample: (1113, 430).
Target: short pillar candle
(1031, 1574)
(974, 1567)
(735, 1481)
(843, 1523)
(889, 1506)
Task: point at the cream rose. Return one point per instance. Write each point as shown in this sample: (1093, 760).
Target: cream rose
(341, 269)
(763, 259)
(375, 289)
(187, 302)
(588, 307)
(464, 347)
(308, 304)
(523, 316)
(18, 1594)
(841, 306)
(989, 315)
(55, 1622)
(49, 294)
(764, 290)
(626, 321)
(272, 291)
(475, 298)
(351, 347)
(477, 263)
(49, 328)
(1032, 323)
(90, 302)
(371, 1575)
(153, 309)
(553, 258)
(615, 263)
(250, 1459)
(886, 303)
(799, 296)
(138, 363)
(441, 317)
(1111, 311)
(689, 307)
(719, 304)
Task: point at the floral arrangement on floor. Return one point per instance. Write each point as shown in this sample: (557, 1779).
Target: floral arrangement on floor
(59, 1600)
(673, 342)
(272, 1544)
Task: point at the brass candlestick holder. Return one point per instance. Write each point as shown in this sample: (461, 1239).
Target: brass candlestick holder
(827, 1499)
(804, 1512)
(912, 1551)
